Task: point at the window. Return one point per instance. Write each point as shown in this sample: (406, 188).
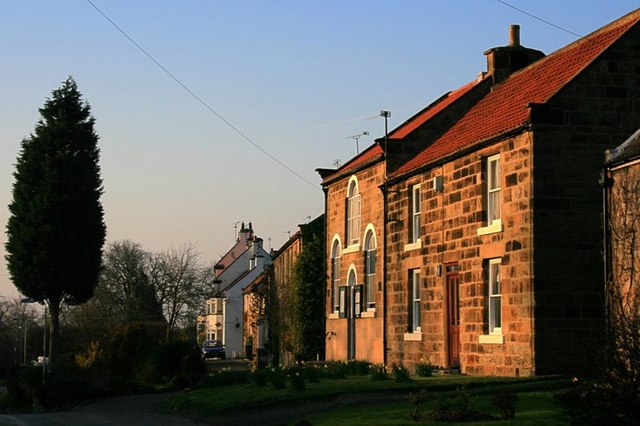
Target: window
(353, 213)
(495, 298)
(414, 300)
(370, 269)
(415, 214)
(335, 275)
(493, 189)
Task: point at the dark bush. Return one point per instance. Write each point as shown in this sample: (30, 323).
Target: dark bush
(128, 349)
(296, 377)
(400, 373)
(424, 369)
(259, 377)
(170, 359)
(312, 373)
(458, 409)
(335, 370)
(506, 402)
(378, 372)
(278, 378)
(358, 368)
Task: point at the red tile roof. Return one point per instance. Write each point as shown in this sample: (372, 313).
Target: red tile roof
(432, 110)
(506, 107)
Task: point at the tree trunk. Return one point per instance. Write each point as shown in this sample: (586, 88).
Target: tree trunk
(54, 329)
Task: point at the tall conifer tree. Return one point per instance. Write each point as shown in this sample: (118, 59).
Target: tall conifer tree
(56, 229)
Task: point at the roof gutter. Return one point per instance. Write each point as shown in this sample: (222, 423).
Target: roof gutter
(474, 147)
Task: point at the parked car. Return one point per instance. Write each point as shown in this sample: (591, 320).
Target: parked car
(213, 349)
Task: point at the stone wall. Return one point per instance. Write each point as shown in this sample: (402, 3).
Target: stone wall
(369, 327)
(450, 241)
(600, 108)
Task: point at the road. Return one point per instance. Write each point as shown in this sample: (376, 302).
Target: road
(134, 410)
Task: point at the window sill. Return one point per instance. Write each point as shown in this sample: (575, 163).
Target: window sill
(416, 336)
(351, 249)
(368, 314)
(413, 246)
(333, 315)
(496, 226)
(493, 339)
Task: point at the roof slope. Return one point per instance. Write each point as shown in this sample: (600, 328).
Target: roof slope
(628, 151)
(366, 157)
(506, 107)
(432, 110)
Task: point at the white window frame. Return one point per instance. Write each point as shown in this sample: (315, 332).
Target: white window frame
(494, 190)
(415, 213)
(335, 275)
(415, 326)
(370, 260)
(493, 187)
(353, 213)
(494, 294)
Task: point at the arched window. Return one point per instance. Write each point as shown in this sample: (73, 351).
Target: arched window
(335, 274)
(353, 213)
(370, 269)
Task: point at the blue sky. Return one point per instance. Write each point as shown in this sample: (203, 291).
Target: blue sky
(297, 77)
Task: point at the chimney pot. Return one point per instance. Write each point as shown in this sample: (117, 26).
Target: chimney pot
(514, 35)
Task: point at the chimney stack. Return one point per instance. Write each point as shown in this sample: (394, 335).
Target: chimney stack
(505, 60)
(514, 35)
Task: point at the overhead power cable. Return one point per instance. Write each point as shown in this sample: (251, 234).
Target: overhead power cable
(199, 99)
(539, 19)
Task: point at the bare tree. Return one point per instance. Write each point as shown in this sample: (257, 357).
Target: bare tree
(124, 292)
(18, 321)
(181, 285)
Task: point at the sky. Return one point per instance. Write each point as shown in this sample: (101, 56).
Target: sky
(216, 112)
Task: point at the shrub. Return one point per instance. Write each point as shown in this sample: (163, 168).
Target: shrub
(296, 376)
(590, 402)
(400, 373)
(458, 409)
(259, 377)
(424, 369)
(358, 368)
(417, 399)
(278, 378)
(335, 370)
(128, 349)
(378, 372)
(506, 402)
(313, 373)
(227, 378)
(173, 358)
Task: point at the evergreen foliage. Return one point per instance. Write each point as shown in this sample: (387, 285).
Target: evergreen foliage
(56, 229)
(307, 304)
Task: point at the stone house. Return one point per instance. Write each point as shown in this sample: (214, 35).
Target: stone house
(354, 241)
(489, 216)
(621, 202)
(239, 267)
(282, 298)
(255, 320)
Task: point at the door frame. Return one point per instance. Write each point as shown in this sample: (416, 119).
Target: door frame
(452, 278)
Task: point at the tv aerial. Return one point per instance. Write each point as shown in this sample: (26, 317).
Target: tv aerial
(356, 138)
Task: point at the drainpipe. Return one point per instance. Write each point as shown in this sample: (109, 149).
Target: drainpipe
(606, 182)
(327, 252)
(385, 318)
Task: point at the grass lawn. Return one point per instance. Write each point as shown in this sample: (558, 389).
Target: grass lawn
(360, 400)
